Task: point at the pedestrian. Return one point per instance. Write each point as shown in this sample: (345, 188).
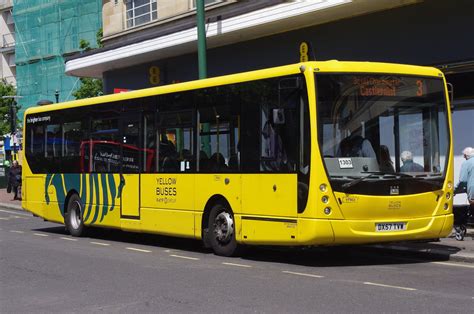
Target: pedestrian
(14, 179)
(466, 176)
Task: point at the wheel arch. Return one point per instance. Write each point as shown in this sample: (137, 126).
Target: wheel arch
(66, 199)
(213, 200)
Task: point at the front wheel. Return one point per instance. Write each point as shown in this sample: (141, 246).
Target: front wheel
(73, 218)
(460, 232)
(221, 234)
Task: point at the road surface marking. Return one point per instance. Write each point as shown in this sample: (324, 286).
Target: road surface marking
(41, 235)
(19, 217)
(238, 265)
(138, 250)
(14, 213)
(453, 264)
(100, 243)
(3, 218)
(185, 257)
(68, 239)
(17, 231)
(302, 274)
(388, 286)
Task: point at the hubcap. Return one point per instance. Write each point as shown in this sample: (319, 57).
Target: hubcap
(223, 227)
(76, 215)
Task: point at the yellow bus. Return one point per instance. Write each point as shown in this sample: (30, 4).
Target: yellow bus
(315, 153)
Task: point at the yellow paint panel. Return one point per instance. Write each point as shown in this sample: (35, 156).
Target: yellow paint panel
(269, 232)
(269, 195)
(130, 201)
(383, 207)
(167, 191)
(227, 185)
(363, 231)
(168, 222)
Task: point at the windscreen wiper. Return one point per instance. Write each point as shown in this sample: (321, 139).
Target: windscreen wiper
(374, 174)
(347, 185)
(399, 174)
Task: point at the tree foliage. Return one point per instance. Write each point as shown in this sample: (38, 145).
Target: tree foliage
(90, 87)
(5, 106)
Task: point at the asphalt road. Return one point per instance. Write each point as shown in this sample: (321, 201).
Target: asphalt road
(42, 269)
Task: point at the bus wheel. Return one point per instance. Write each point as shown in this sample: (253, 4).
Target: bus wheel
(222, 231)
(73, 218)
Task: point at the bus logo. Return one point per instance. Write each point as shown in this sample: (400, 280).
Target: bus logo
(394, 190)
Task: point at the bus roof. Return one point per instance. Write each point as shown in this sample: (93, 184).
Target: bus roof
(316, 66)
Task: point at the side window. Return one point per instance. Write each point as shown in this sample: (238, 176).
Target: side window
(131, 145)
(72, 137)
(149, 162)
(218, 129)
(105, 151)
(53, 147)
(272, 130)
(249, 148)
(35, 148)
(176, 133)
(53, 141)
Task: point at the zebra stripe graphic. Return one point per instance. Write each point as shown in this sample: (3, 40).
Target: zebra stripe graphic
(89, 187)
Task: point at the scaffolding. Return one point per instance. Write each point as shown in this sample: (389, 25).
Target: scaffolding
(47, 31)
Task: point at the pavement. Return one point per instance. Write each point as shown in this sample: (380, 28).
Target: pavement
(446, 248)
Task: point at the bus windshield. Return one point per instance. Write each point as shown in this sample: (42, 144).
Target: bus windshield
(379, 126)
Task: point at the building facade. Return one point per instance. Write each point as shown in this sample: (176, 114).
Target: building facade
(154, 42)
(47, 31)
(7, 43)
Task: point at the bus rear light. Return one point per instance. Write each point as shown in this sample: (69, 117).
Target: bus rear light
(327, 210)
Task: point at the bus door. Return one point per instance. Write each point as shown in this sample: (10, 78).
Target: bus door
(130, 173)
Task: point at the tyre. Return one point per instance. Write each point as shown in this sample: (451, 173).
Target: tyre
(221, 234)
(73, 219)
(458, 233)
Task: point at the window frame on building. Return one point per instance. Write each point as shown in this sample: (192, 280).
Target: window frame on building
(131, 8)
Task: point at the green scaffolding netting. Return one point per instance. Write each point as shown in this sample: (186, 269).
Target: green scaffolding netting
(47, 31)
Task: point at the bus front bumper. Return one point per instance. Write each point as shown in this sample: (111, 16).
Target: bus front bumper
(365, 231)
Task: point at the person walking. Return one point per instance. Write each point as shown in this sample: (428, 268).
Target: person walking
(466, 176)
(14, 179)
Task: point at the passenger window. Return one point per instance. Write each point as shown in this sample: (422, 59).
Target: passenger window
(35, 150)
(72, 136)
(53, 141)
(175, 149)
(149, 146)
(218, 131)
(105, 145)
(131, 147)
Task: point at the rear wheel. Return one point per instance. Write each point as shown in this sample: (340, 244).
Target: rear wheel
(73, 218)
(221, 234)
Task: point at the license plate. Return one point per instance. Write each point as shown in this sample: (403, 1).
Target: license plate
(391, 226)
